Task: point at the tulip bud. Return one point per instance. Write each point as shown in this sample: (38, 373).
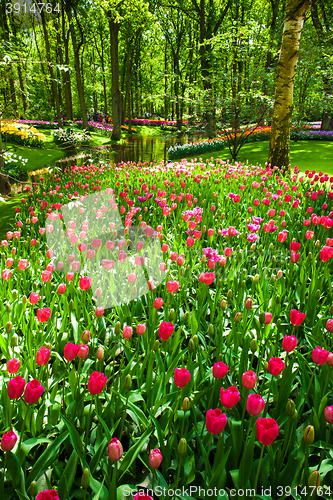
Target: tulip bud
(117, 328)
(34, 286)
(277, 299)
(238, 317)
(314, 479)
(71, 305)
(13, 340)
(256, 279)
(309, 434)
(310, 256)
(331, 311)
(195, 339)
(253, 345)
(262, 318)
(211, 330)
(229, 295)
(223, 304)
(156, 346)
(128, 382)
(33, 489)
(290, 408)
(191, 346)
(85, 481)
(24, 299)
(223, 216)
(182, 447)
(172, 315)
(278, 322)
(186, 404)
(8, 308)
(266, 366)
(185, 317)
(272, 280)
(9, 326)
(14, 293)
(100, 353)
(248, 304)
(279, 274)
(294, 417)
(317, 244)
(317, 295)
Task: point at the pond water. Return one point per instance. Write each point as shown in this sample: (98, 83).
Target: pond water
(136, 148)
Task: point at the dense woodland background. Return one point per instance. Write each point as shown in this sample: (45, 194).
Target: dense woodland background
(202, 60)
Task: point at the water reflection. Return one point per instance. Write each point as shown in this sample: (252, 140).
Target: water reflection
(136, 148)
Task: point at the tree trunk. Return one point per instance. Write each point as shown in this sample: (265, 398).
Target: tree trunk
(103, 76)
(79, 84)
(116, 94)
(279, 144)
(52, 76)
(66, 75)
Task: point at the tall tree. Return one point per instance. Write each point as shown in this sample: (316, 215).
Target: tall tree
(322, 17)
(279, 144)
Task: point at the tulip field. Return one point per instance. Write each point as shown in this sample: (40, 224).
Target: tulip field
(213, 382)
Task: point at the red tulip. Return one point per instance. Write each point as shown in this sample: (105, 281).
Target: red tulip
(275, 366)
(115, 450)
(43, 356)
(96, 383)
(165, 330)
(43, 314)
(83, 351)
(255, 404)
(15, 387)
(85, 282)
(99, 311)
(294, 247)
(70, 351)
(268, 318)
(127, 332)
(215, 421)
(229, 397)
(267, 430)
(61, 288)
(34, 298)
(47, 495)
(249, 379)
(142, 496)
(319, 355)
(329, 414)
(220, 369)
(8, 440)
(155, 458)
(181, 377)
(158, 303)
(140, 329)
(33, 392)
(173, 286)
(296, 317)
(294, 257)
(329, 325)
(289, 343)
(13, 365)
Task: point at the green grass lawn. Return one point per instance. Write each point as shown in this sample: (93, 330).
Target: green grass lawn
(7, 214)
(307, 155)
(50, 152)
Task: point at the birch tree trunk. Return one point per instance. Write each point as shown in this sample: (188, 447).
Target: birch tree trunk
(279, 144)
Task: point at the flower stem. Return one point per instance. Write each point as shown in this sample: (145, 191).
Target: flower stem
(327, 439)
(207, 457)
(258, 470)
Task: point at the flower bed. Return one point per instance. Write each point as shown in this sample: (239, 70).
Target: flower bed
(220, 376)
(19, 133)
(259, 134)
